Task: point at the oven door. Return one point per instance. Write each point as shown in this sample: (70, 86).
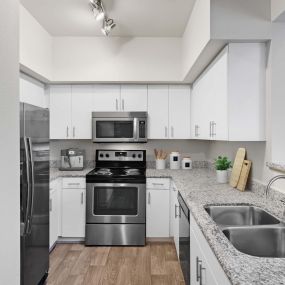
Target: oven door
(114, 129)
(115, 203)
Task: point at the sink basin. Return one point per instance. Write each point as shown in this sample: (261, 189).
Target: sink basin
(258, 241)
(240, 216)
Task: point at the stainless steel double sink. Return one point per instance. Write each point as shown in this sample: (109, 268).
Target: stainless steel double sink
(250, 229)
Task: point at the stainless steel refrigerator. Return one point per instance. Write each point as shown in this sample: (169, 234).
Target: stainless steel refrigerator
(34, 192)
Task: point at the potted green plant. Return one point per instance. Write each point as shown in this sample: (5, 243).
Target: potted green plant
(222, 164)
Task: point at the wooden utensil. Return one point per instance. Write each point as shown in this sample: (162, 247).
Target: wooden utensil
(244, 175)
(240, 156)
(156, 153)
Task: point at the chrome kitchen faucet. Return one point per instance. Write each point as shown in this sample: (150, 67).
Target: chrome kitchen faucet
(271, 181)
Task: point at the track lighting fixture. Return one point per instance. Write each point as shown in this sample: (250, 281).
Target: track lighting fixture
(108, 25)
(99, 14)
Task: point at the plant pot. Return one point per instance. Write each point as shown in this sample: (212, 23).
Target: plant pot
(222, 176)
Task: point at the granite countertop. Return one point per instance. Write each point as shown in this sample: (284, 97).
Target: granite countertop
(198, 187)
(56, 173)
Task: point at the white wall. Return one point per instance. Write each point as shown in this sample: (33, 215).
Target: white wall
(35, 46)
(277, 9)
(240, 20)
(9, 144)
(102, 59)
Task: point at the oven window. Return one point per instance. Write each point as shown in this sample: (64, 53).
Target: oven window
(115, 201)
(114, 129)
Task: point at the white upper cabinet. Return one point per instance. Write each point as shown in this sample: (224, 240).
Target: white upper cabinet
(107, 98)
(133, 98)
(82, 107)
(70, 111)
(60, 112)
(168, 112)
(33, 92)
(158, 111)
(228, 100)
(179, 112)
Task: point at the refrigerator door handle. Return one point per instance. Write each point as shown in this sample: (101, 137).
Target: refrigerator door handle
(32, 183)
(29, 186)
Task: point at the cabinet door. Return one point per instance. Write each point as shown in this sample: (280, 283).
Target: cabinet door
(60, 112)
(134, 98)
(179, 111)
(175, 218)
(106, 98)
(200, 108)
(53, 217)
(158, 112)
(73, 213)
(82, 107)
(157, 213)
(218, 113)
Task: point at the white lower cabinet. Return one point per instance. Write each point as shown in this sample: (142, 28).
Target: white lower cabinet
(157, 208)
(53, 218)
(204, 266)
(54, 212)
(73, 207)
(174, 216)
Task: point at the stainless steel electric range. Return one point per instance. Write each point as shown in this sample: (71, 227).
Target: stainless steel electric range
(116, 198)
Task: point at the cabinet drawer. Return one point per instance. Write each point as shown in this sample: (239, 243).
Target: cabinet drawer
(158, 183)
(74, 182)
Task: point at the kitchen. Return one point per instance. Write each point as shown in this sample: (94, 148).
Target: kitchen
(140, 109)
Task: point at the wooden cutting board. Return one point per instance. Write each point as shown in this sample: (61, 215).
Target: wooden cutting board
(238, 163)
(244, 175)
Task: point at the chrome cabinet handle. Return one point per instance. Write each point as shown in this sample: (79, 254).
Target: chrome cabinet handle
(73, 131)
(148, 200)
(172, 131)
(158, 184)
(165, 132)
(123, 104)
(196, 131)
(67, 132)
(29, 230)
(75, 183)
(198, 261)
(117, 105)
(82, 198)
(50, 205)
(213, 128)
(176, 211)
(210, 129)
(201, 268)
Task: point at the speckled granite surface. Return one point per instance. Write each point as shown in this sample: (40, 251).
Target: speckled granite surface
(199, 188)
(56, 173)
(276, 166)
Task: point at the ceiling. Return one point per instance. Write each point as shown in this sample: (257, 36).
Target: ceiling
(140, 18)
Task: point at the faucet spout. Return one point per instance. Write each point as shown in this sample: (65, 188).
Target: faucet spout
(271, 181)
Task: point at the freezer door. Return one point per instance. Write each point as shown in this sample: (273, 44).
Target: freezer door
(34, 194)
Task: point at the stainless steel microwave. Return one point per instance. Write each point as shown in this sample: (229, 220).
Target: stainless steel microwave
(119, 127)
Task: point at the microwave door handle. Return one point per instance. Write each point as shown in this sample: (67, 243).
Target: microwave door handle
(32, 183)
(136, 127)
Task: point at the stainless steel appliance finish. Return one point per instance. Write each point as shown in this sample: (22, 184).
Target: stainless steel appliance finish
(184, 239)
(240, 215)
(258, 241)
(116, 198)
(34, 193)
(250, 229)
(119, 127)
(72, 159)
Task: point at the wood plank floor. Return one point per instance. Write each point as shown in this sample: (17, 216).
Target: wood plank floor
(154, 264)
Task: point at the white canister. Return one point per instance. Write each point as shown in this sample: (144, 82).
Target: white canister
(160, 164)
(175, 160)
(186, 163)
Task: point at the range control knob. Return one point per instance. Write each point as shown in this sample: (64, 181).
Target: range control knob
(139, 156)
(134, 155)
(101, 155)
(107, 155)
